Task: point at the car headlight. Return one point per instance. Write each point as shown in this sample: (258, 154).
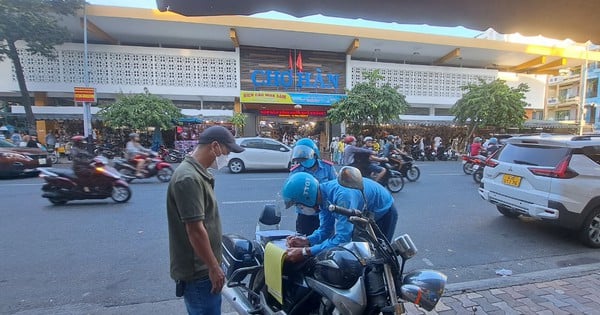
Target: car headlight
(11, 155)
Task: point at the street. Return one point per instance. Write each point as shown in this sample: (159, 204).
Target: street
(100, 252)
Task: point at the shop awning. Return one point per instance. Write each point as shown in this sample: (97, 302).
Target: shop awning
(190, 120)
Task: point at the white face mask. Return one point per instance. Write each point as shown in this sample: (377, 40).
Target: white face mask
(220, 161)
(306, 210)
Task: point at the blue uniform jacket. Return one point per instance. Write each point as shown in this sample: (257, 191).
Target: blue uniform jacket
(323, 173)
(335, 229)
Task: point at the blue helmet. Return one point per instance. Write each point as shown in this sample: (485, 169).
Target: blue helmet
(304, 155)
(300, 188)
(311, 144)
(493, 140)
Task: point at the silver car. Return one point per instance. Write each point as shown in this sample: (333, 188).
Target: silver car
(260, 154)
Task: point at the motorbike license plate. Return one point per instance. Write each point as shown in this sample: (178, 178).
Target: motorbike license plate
(511, 180)
(42, 161)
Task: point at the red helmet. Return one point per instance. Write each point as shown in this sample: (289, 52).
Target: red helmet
(78, 139)
(349, 139)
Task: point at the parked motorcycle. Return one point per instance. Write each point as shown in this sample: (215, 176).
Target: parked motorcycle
(364, 276)
(62, 185)
(416, 153)
(155, 167)
(403, 163)
(105, 150)
(170, 155)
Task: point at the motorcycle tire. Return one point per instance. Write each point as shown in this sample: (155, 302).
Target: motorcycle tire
(468, 168)
(478, 175)
(395, 183)
(413, 173)
(120, 193)
(164, 174)
(53, 158)
(171, 159)
(129, 174)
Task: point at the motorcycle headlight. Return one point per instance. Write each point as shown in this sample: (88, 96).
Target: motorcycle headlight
(423, 288)
(404, 246)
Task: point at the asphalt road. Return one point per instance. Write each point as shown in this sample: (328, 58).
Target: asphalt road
(103, 253)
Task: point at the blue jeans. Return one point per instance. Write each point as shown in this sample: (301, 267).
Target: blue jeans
(198, 299)
(387, 223)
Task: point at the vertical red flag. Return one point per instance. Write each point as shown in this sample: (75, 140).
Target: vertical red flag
(299, 62)
(290, 62)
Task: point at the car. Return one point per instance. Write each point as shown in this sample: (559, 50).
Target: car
(17, 161)
(554, 178)
(259, 154)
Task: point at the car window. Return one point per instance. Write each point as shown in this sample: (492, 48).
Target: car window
(532, 154)
(271, 145)
(252, 143)
(593, 152)
(6, 144)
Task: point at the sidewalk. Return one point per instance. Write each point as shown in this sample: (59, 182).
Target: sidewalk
(569, 290)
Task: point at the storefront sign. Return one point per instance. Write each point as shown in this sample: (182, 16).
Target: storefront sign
(293, 113)
(290, 98)
(285, 79)
(85, 95)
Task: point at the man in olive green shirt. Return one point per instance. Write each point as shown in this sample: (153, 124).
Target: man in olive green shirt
(195, 225)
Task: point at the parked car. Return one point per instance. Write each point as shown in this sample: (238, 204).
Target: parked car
(554, 178)
(16, 161)
(260, 153)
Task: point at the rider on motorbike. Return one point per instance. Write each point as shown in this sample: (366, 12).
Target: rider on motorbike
(303, 190)
(137, 153)
(492, 146)
(82, 159)
(363, 158)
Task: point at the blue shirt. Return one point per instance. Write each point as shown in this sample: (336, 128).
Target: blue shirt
(335, 229)
(323, 172)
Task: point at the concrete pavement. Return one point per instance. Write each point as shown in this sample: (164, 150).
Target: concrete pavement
(568, 290)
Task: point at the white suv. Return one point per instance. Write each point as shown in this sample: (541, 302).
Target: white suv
(555, 178)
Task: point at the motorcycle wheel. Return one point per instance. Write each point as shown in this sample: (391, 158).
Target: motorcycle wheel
(171, 159)
(395, 183)
(164, 175)
(57, 201)
(129, 174)
(468, 168)
(478, 175)
(120, 193)
(53, 158)
(413, 174)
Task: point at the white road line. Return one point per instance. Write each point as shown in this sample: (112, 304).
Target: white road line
(428, 262)
(246, 201)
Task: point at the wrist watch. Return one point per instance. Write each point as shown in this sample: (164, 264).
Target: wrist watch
(304, 252)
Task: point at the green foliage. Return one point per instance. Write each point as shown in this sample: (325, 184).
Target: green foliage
(36, 22)
(140, 111)
(239, 122)
(369, 103)
(492, 104)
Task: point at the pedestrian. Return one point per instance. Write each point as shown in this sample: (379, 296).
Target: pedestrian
(303, 190)
(32, 142)
(50, 141)
(195, 225)
(16, 138)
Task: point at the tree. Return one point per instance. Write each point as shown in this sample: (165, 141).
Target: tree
(492, 104)
(369, 103)
(140, 111)
(239, 122)
(36, 22)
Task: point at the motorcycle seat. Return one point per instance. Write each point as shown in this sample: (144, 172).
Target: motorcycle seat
(64, 172)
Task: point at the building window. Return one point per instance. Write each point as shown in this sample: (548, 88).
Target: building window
(442, 112)
(423, 111)
(561, 115)
(592, 88)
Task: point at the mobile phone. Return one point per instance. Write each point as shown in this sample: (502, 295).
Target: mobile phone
(179, 288)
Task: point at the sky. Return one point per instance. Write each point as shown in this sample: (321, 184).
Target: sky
(437, 30)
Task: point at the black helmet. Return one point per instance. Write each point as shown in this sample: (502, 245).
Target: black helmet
(338, 267)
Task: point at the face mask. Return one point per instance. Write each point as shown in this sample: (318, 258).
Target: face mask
(302, 209)
(221, 160)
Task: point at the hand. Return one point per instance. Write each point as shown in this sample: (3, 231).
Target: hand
(217, 279)
(294, 255)
(296, 241)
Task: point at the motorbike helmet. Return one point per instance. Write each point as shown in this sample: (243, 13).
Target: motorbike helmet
(368, 139)
(337, 267)
(300, 188)
(311, 144)
(390, 138)
(304, 155)
(423, 287)
(493, 140)
(349, 139)
(78, 139)
(477, 139)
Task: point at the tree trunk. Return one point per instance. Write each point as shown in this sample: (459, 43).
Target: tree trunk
(13, 54)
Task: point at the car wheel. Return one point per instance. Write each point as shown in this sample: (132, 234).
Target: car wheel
(120, 193)
(164, 175)
(236, 166)
(413, 174)
(590, 233)
(507, 212)
(395, 183)
(468, 168)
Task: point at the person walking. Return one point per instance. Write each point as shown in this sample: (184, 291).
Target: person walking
(194, 223)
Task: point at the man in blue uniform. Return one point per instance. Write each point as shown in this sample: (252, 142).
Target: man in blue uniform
(308, 161)
(304, 190)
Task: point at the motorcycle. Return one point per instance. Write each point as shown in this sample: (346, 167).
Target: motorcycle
(62, 185)
(392, 180)
(469, 161)
(403, 163)
(155, 167)
(364, 276)
(171, 156)
(416, 153)
(104, 150)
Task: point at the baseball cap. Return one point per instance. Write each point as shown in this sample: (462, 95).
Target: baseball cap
(222, 136)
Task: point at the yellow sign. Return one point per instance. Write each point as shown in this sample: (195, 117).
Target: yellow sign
(265, 97)
(85, 95)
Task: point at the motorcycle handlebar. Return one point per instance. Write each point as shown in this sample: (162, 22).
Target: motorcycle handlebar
(344, 211)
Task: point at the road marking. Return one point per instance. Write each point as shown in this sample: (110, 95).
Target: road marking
(246, 201)
(428, 262)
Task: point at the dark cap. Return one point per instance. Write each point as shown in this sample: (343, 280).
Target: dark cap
(222, 136)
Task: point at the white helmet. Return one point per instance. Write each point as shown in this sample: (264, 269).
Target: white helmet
(368, 139)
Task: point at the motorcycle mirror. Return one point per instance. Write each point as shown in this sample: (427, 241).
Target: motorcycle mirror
(351, 177)
(269, 215)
